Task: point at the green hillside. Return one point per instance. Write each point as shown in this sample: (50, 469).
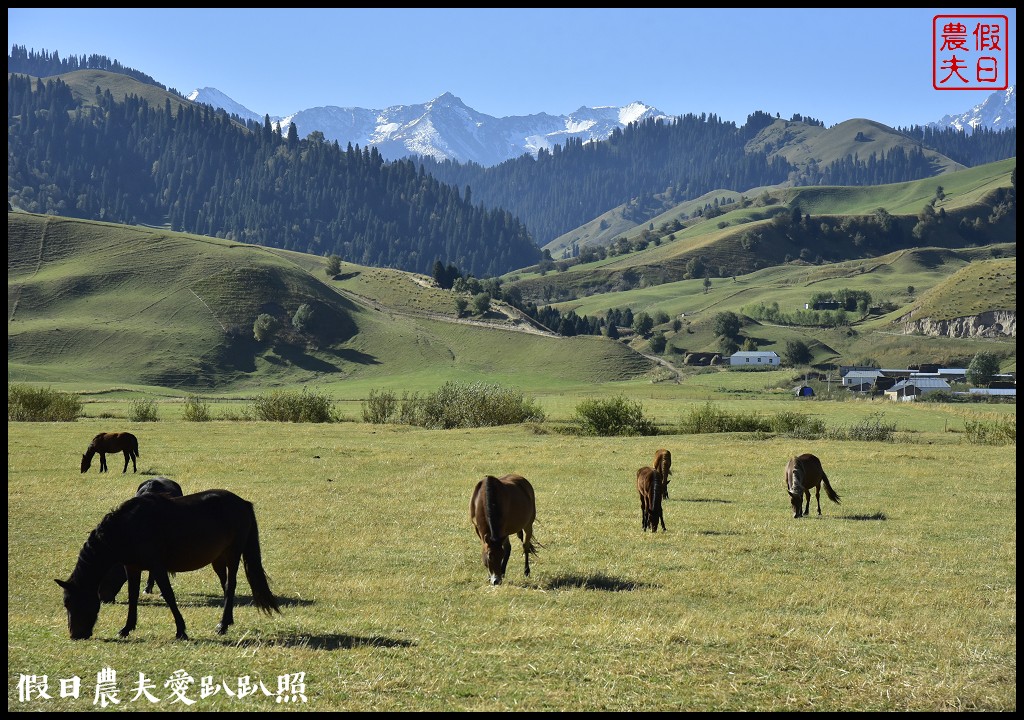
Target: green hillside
(801, 143)
(101, 305)
(747, 236)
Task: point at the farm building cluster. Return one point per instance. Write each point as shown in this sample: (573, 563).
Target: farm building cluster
(908, 384)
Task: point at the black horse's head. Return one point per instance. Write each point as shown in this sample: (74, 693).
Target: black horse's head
(86, 461)
(83, 609)
(495, 558)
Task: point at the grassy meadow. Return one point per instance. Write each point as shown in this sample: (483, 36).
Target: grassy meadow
(902, 598)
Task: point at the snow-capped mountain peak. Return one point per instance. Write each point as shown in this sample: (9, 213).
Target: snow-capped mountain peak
(214, 97)
(997, 111)
(446, 128)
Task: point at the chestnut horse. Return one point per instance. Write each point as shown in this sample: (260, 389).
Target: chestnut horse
(663, 464)
(500, 507)
(803, 473)
(112, 443)
(166, 535)
(649, 485)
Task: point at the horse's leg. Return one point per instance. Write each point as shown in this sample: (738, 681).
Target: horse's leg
(103, 462)
(149, 584)
(229, 582)
(506, 550)
(817, 496)
(134, 579)
(221, 568)
(643, 514)
(524, 537)
(127, 455)
(807, 509)
(164, 583)
(661, 516)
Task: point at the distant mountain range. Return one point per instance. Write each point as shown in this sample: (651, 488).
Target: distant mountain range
(447, 129)
(998, 111)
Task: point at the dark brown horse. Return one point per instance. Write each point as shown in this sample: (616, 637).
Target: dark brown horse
(112, 443)
(114, 580)
(649, 485)
(804, 473)
(500, 507)
(165, 535)
(663, 464)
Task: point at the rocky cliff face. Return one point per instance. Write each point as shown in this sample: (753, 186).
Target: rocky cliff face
(996, 323)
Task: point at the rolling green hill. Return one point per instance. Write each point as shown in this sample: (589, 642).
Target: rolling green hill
(100, 305)
(802, 144)
(753, 234)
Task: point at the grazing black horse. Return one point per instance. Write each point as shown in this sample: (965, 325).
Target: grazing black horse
(163, 535)
(114, 580)
(500, 507)
(112, 443)
(804, 473)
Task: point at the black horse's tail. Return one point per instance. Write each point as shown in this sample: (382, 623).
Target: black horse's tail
(254, 573)
(832, 494)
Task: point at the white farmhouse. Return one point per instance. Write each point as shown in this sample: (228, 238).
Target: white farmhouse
(754, 358)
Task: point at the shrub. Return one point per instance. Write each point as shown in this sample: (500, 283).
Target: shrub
(460, 405)
(1001, 431)
(28, 404)
(196, 410)
(290, 406)
(616, 416)
(869, 429)
(711, 419)
(142, 411)
(380, 407)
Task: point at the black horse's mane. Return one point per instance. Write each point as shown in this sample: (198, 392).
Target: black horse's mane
(105, 539)
(492, 506)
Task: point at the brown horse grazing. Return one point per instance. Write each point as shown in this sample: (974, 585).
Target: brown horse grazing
(114, 580)
(649, 485)
(500, 507)
(164, 535)
(663, 464)
(112, 443)
(803, 473)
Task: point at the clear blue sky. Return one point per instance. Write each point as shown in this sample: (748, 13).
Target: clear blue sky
(830, 64)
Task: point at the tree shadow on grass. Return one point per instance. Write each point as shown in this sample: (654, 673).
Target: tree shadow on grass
(333, 641)
(597, 581)
(876, 516)
(718, 532)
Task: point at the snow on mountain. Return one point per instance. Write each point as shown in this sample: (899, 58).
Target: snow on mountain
(214, 97)
(998, 111)
(447, 129)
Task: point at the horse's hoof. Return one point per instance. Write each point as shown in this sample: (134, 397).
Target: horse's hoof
(181, 636)
(124, 632)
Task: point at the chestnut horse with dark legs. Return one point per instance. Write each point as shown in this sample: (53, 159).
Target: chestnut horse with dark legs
(500, 507)
(649, 485)
(804, 473)
(114, 580)
(166, 535)
(112, 443)
(663, 464)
